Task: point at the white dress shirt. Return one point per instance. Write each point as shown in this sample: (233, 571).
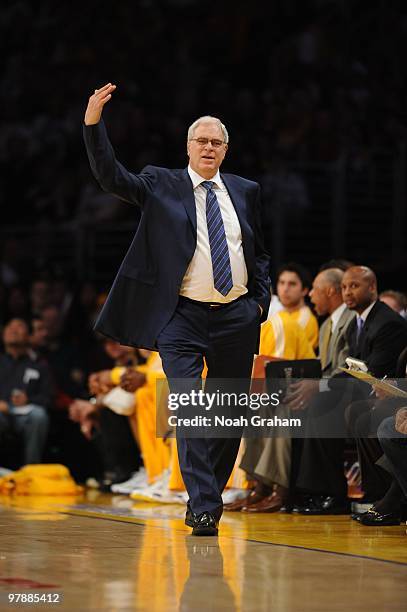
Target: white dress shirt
(336, 315)
(366, 312)
(197, 283)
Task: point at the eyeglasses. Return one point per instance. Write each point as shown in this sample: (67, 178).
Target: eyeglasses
(202, 142)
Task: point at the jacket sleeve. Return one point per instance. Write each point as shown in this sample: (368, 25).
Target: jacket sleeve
(41, 391)
(262, 285)
(111, 175)
(388, 344)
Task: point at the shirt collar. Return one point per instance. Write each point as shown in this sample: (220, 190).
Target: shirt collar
(336, 315)
(366, 312)
(197, 179)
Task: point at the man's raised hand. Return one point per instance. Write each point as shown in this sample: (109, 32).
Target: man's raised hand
(96, 103)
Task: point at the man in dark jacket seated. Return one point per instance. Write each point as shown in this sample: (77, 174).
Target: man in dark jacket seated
(25, 391)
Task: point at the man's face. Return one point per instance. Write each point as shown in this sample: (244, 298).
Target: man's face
(15, 333)
(358, 291)
(39, 335)
(319, 295)
(206, 159)
(290, 290)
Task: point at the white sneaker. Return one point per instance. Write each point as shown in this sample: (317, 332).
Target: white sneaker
(231, 495)
(138, 479)
(159, 497)
(160, 484)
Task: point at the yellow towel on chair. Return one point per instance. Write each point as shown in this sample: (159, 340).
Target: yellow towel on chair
(41, 479)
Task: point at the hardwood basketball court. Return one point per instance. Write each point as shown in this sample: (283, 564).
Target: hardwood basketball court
(104, 552)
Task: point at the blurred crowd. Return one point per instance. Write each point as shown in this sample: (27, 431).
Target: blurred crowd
(294, 81)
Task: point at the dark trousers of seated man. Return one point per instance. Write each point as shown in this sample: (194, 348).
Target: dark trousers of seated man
(394, 446)
(117, 446)
(321, 465)
(363, 419)
(31, 428)
(226, 337)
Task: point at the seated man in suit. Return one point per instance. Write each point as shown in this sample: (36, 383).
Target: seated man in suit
(194, 284)
(392, 434)
(383, 496)
(281, 467)
(377, 336)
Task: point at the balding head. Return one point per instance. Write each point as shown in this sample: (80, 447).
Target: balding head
(207, 145)
(359, 288)
(326, 294)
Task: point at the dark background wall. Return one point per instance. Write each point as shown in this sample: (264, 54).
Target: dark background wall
(313, 94)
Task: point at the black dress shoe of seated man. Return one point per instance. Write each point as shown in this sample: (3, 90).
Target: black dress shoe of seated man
(356, 516)
(205, 525)
(373, 518)
(325, 506)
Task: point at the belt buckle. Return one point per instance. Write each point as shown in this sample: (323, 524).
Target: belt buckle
(214, 305)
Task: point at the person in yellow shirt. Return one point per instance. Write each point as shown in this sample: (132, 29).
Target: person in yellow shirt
(293, 284)
(267, 461)
(283, 337)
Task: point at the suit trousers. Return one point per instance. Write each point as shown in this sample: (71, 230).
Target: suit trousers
(268, 460)
(321, 467)
(394, 445)
(226, 337)
(363, 419)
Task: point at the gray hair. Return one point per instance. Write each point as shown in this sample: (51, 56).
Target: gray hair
(333, 277)
(208, 119)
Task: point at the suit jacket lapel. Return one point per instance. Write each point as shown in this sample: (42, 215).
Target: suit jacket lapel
(238, 198)
(344, 319)
(186, 192)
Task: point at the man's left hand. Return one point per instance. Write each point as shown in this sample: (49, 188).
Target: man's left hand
(301, 393)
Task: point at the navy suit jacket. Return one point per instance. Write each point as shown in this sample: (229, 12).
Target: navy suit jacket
(383, 337)
(145, 292)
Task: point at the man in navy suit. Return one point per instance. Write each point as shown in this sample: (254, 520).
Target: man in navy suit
(194, 283)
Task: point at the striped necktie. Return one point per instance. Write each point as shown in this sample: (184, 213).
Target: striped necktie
(359, 328)
(222, 272)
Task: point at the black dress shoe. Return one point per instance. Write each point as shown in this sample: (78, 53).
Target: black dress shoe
(326, 506)
(356, 516)
(372, 518)
(205, 525)
(190, 516)
(287, 508)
